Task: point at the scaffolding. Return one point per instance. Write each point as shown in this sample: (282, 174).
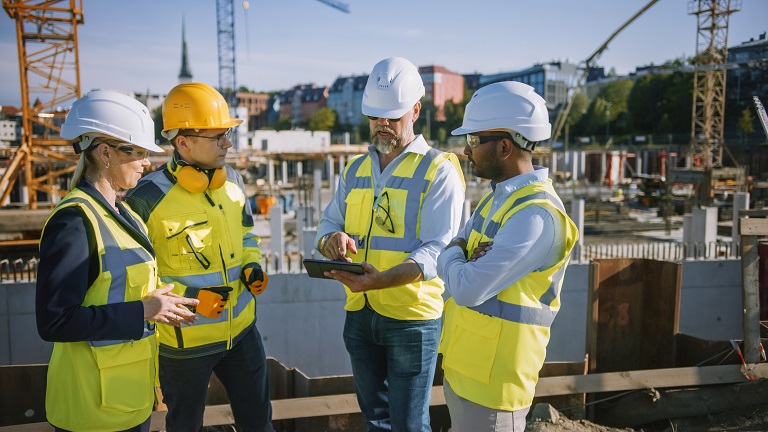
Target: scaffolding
(46, 35)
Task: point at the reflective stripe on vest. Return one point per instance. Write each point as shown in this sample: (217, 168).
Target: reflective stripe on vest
(115, 260)
(415, 186)
(542, 316)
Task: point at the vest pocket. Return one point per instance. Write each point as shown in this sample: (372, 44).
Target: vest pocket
(359, 208)
(125, 375)
(186, 239)
(472, 346)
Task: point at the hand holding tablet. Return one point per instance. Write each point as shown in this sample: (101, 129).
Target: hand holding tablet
(315, 268)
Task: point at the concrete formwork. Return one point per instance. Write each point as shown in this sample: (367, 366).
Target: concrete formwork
(301, 319)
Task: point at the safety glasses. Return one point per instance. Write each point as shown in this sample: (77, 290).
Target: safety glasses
(475, 140)
(389, 120)
(382, 218)
(198, 255)
(130, 151)
(220, 138)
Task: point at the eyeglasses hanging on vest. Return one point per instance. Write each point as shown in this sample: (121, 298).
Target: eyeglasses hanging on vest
(381, 206)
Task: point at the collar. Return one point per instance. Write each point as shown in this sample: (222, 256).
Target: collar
(510, 185)
(124, 218)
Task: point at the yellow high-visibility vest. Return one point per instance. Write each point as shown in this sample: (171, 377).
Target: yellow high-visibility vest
(493, 352)
(201, 239)
(106, 385)
(398, 209)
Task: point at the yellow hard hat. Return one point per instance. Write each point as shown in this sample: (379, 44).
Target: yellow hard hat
(196, 106)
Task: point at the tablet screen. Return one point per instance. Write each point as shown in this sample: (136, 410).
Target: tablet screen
(315, 268)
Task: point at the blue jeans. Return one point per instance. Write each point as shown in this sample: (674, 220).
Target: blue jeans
(241, 370)
(393, 364)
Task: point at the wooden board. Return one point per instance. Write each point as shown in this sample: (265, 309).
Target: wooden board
(633, 314)
(547, 386)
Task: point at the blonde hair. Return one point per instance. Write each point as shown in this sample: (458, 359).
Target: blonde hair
(87, 160)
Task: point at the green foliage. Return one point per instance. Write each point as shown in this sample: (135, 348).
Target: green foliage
(428, 110)
(579, 107)
(323, 120)
(746, 121)
(282, 124)
(442, 135)
(661, 103)
(244, 89)
(364, 131)
(454, 115)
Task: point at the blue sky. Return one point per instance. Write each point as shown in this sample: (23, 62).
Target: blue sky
(135, 46)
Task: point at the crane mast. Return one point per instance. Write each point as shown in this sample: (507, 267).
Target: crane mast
(225, 30)
(46, 36)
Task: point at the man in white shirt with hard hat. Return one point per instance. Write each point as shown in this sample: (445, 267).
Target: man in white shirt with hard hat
(505, 269)
(394, 210)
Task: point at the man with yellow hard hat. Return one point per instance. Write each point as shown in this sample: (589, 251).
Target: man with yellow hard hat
(200, 223)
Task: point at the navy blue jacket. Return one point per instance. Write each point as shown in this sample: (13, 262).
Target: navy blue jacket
(69, 265)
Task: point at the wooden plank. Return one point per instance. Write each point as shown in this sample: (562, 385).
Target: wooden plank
(636, 316)
(753, 226)
(631, 380)
(641, 408)
(547, 386)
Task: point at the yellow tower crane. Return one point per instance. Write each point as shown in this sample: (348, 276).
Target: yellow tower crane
(46, 35)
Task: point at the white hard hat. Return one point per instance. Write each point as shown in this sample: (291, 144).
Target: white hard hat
(394, 86)
(509, 105)
(107, 112)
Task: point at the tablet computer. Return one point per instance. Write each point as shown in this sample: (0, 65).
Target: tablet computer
(315, 268)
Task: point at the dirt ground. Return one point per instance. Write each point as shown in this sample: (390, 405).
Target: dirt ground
(753, 418)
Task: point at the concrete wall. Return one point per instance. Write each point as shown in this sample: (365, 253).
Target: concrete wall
(301, 319)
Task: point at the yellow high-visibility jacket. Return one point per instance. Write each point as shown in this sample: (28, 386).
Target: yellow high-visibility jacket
(201, 239)
(492, 353)
(106, 385)
(405, 191)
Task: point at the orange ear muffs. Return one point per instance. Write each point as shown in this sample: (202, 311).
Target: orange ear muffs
(218, 178)
(197, 180)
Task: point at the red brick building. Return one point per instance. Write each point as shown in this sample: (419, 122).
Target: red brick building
(442, 85)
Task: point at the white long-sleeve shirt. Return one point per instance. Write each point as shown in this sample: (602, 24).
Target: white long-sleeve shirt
(440, 211)
(530, 240)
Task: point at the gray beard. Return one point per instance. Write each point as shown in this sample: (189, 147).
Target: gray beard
(387, 146)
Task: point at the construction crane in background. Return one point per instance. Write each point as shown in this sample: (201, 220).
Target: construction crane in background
(344, 7)
(46, 35)
(225, 30)
(563, 114)
(709, 87)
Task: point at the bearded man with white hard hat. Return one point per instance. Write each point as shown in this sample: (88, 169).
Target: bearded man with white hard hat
(394, 210)
(505, 269)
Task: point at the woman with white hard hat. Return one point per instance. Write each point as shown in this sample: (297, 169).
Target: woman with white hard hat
(97, 297)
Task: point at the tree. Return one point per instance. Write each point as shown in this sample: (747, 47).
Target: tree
(579, 107)
(243, 89)
(442, 135)
(746, 122)
(364, 131)
(323, 120)
(661, 104)
(282, 124)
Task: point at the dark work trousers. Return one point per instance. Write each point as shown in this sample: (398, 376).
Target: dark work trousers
(243, 372)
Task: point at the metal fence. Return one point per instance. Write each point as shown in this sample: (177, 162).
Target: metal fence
(25, 270)
(662, 251)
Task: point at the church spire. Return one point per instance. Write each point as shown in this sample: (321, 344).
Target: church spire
(185, 74)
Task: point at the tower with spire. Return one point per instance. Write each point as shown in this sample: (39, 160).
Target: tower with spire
(185, 74)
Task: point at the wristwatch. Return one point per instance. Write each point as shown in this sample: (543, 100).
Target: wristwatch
(323, 241)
